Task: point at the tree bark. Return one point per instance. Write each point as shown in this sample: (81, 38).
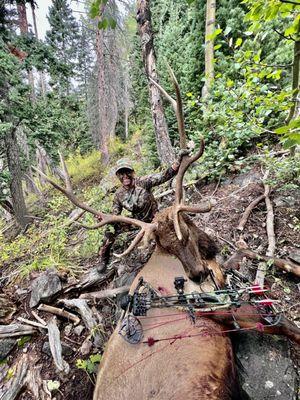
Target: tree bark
(102, 106)
(164, 147)
(41, 73)
(209, 46)
(294, 111)
(23, 25)
(14, 166)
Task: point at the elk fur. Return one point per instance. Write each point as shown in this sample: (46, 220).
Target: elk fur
(194, 250)
(201, 367)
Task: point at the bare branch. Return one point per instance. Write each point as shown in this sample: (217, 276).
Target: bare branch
(248, 210)
(59, 312)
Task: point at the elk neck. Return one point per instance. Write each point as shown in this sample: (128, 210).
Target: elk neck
(196, 250)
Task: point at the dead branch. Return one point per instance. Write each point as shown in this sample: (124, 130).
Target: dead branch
(14, 330)
(60, 312)
(33, 323)
(104, 294)
(236, 259)
(248, 210)
(269, 222)
(38, 318)
(55, 347)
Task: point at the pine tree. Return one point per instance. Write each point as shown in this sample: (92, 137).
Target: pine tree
(63, 39)
(85, 57)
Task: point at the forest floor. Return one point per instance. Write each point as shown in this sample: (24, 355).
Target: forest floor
(232, 197)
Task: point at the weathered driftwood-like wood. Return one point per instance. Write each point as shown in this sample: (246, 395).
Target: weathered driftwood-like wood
(88, 317)
(35, 383)
(92, 278)
(32, 323)
(19, 379)
(104, 294)
(27, 375)
(59, 312)
(55, 347)
(13, 330)
(38, 318)
(270, 223)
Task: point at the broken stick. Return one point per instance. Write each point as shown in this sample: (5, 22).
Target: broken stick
(60, 312)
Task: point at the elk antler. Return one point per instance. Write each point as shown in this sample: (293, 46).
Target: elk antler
(147, 229)
(186, 161)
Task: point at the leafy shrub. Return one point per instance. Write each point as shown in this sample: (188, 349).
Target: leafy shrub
(84, 167)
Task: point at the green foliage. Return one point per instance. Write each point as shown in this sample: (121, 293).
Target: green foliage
(97, 10)
(290, 134)
(284, 171)
(89, 365)
(63, 39)
(82, 168)
(23, 340)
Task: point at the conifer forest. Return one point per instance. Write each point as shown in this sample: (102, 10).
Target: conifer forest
(194, 107)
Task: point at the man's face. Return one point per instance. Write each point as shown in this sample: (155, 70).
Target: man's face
(126, 177)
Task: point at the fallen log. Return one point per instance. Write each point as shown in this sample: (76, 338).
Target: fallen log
(19, 380)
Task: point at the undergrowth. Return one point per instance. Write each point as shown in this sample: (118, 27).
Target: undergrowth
(52, 241)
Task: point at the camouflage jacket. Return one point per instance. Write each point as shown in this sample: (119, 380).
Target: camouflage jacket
(139, 200)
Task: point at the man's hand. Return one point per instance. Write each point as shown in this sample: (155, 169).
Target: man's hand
(99, 217)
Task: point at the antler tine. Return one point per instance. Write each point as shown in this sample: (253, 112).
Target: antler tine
(134, 243)
(166, 94)
(179, 206)
(69, 194)
(179, 109)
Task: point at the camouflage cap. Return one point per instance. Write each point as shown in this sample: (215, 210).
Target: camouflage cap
(123, 163)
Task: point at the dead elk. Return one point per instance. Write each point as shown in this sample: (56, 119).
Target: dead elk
(173, 358)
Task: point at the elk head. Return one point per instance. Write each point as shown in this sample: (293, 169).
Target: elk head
(171, 228)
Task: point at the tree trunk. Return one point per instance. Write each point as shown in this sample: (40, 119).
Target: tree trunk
(209, 46)
(23, 25)
(294, 111)
(41, 73)
(14, 166)
(163, 143)
(102, 106)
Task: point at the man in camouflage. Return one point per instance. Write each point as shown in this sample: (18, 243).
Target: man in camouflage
(135, 196)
